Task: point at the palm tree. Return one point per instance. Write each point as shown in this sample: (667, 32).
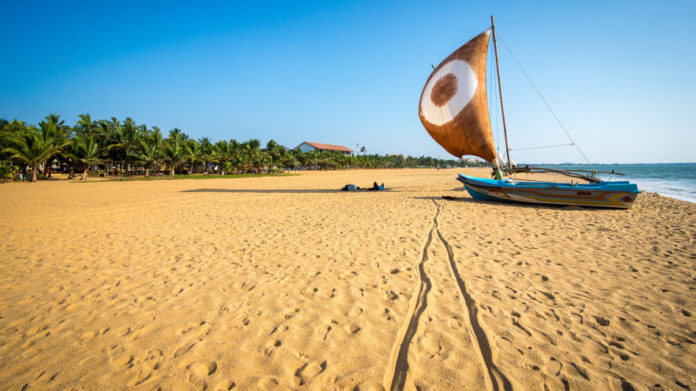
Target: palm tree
(230, 152)
(174, 149)
(207, 152)
(313, 158)
(179, 134)
(275, 152)
(150, 150)
(126, 141)
(54, 131)
(237, 158)
(193, 152)
(252, 151)
(105, 131)
(86, 151)
(85, 125)
(7, 132)
(223, 152)
(263, 161)
(289, 159)
(31, 147)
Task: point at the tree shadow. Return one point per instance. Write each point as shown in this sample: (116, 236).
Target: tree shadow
(280, 191)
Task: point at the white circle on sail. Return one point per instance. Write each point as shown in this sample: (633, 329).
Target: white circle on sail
(466, 87)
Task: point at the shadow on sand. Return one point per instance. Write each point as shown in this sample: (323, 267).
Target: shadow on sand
(280, 191)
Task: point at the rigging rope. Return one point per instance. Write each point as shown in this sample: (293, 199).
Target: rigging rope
(545, 102)
(547, 146)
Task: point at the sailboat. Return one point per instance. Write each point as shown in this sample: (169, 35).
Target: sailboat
(454, 110)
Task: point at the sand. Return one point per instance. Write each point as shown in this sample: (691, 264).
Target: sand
(286, 283)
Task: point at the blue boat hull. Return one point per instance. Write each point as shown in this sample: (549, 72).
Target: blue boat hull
(620, 194)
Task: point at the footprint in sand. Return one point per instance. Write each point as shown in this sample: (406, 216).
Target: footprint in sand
(270, 346)
(322, 330)
(48, 378)
(204, 369)
(553, 367)
(430, 345)
(224, 385)
(352, 328)
(268, 383)
(291, 314)
(123, 360)
(311, 369)
(141, 377)
(268, 329)
(391, 295)
(369, 386)
(183, 349)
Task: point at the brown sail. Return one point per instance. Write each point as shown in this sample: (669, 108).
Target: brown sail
(453, 105)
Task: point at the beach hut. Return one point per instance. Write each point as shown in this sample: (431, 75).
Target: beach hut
(307, 146)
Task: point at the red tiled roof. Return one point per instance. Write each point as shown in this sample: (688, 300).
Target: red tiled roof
(329, 147)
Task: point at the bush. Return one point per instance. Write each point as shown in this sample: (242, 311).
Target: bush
(7, 171)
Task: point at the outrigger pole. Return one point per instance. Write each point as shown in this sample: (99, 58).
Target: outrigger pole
(500, 90)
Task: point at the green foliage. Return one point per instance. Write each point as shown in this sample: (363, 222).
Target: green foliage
(175, 150)
(7, 171)
(34, 146)
(126, 147)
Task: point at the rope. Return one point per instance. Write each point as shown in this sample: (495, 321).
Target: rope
(546, 103)
(547, 146)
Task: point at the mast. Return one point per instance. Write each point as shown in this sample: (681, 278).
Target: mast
(500, 90)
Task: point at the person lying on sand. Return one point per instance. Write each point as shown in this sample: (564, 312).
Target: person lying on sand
(351, 187)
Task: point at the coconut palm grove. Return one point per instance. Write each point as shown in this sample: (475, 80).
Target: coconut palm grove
(124, 148)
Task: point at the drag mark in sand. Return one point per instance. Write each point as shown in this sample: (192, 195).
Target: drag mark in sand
(397, 371)
(478, 337)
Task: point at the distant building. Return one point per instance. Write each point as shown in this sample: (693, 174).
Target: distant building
(307, 146)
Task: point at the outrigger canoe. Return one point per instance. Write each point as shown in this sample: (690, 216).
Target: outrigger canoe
(618, 194)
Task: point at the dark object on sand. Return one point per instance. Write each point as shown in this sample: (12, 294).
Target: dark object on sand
(352, 187)
(375, 187)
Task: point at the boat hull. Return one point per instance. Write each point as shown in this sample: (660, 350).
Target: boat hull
(600, 195)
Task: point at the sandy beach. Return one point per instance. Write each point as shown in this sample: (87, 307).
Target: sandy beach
(288, 283)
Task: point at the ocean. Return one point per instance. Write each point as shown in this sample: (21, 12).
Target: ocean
(676, 180)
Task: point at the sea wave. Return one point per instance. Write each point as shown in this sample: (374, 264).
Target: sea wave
(675, 180)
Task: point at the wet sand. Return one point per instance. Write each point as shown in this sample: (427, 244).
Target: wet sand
(287, 283)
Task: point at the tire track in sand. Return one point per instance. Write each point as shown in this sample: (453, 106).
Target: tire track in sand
(494, 379)
(397, 370)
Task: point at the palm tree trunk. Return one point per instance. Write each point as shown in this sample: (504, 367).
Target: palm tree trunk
(33, 173)
(172, 172)
(147, 171)
(84, 173)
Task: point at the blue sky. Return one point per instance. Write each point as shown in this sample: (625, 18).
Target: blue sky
(620, 75)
